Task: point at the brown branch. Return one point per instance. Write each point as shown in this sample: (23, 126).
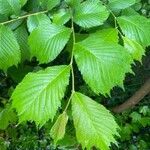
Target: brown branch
(135, 99)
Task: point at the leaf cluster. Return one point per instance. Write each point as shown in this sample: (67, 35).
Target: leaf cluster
(99, 39)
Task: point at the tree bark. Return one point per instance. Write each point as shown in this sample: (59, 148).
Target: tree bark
(135, 99)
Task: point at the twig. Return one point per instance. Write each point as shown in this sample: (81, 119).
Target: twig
(23, 17)
(71, 63)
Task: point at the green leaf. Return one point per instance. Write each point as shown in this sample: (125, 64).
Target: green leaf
(61, 17)
(6, 116)
(52, 3)
(22, 38)
(134, 48)
(109, 35)
(38, 96)
(14, 25)
(73, 3)
(129, 12)
(136, 28)
(51, 40)
(37, 20)
(120, 4)
(23, 2)
(49, 4)
(94, 124)
(3, 18)
(9, 49)
(58, 130)
(90, 14)
(9, 7)
(68, 140)
(103, 64)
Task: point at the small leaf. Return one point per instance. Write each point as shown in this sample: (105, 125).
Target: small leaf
(135, 116)
(61, 17)
(68, 140)
(129, 12)
(3, 18)
(103, 64)
(10, 7)
(136, 28)
(90, 14)
(144, 110)
(9, 49)
(120, 4)
(73, 3)
(49, 4)
(6, 116)
(51, 40)
(94, 124)
(58, 129)
(36, 20)
(134, 48)
(52, 3)
(38, 96)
